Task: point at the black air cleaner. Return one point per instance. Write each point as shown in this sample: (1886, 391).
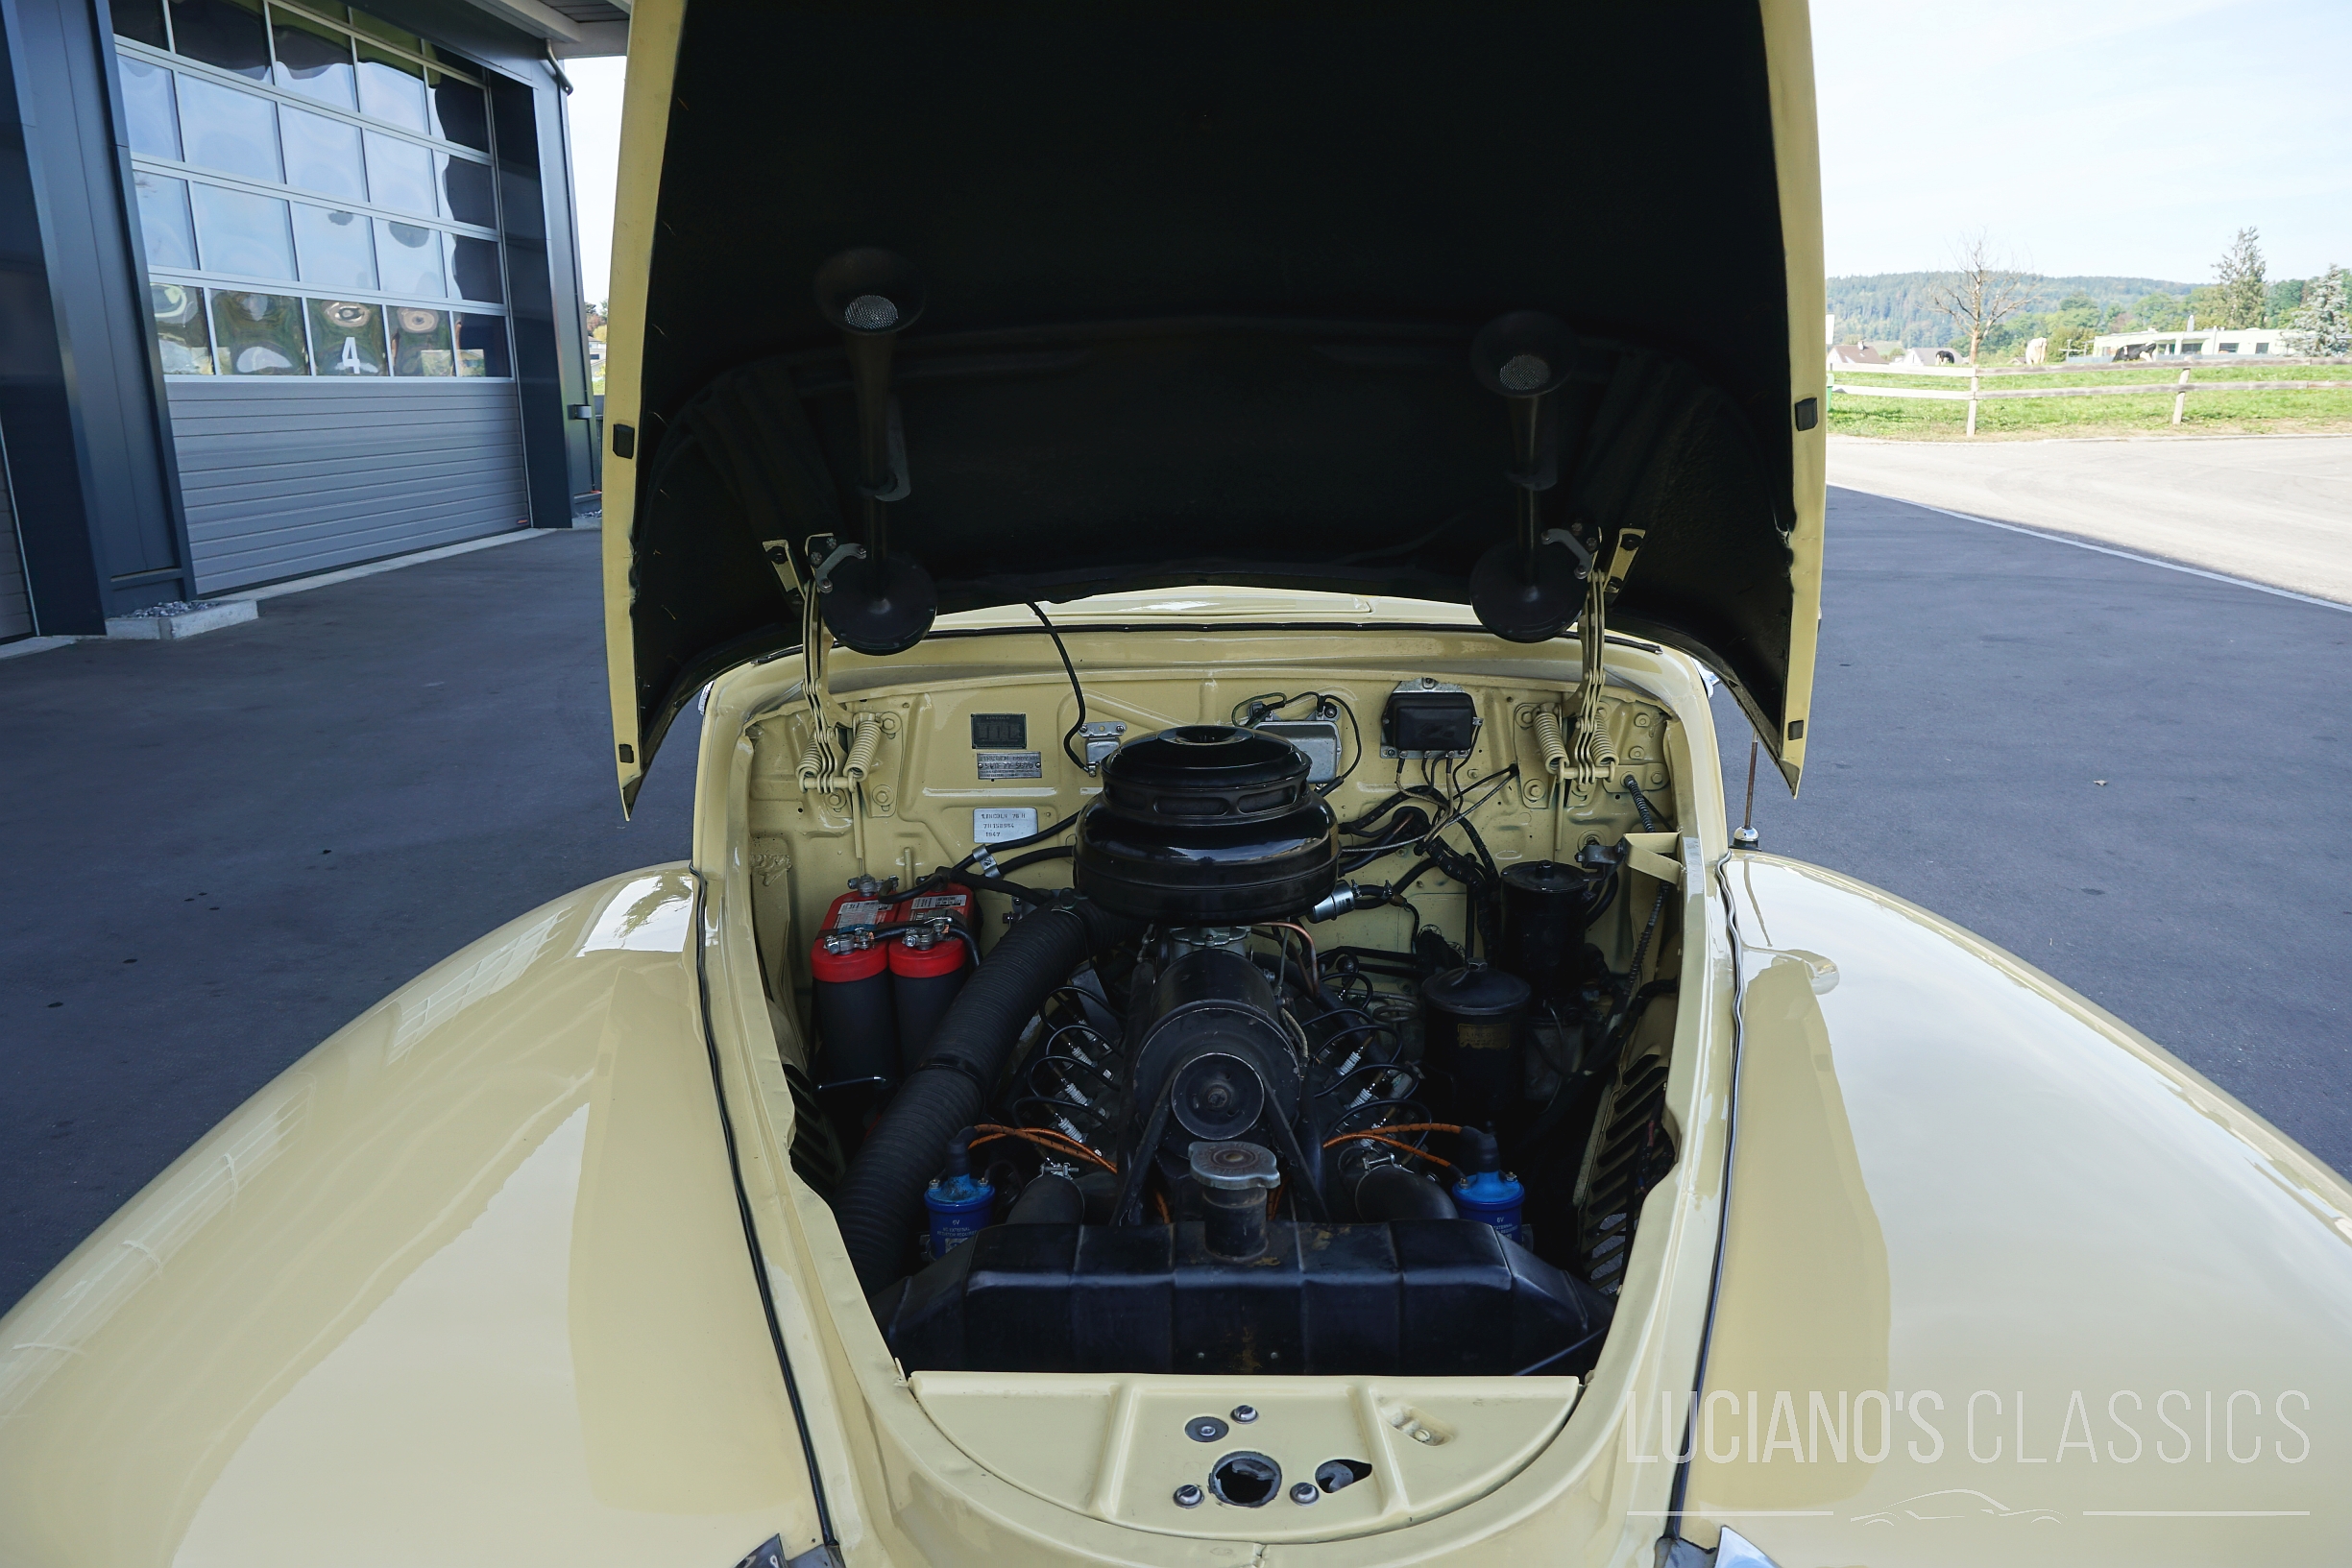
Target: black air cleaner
(1205, 825)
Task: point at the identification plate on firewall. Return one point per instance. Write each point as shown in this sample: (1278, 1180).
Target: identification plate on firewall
(1011, 764)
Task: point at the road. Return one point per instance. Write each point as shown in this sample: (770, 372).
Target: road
(221, 850)
(2129, 776)
(2275, 509)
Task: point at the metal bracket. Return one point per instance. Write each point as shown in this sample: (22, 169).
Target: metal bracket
(778, 553)
(1583, 556)
(1622, 559)
(839, 554)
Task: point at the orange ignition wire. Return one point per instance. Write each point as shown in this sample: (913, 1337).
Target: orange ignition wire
(1052, 1143)
(1314, 973)
(1392, 1143)
(1402, 1126)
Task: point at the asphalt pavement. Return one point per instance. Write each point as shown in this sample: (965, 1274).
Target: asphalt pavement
(2128, 776)
(218, 851)
(2274, 509)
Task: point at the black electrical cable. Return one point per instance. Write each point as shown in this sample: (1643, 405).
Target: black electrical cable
(1641, 805)
(1267, 703)
(1077, 691)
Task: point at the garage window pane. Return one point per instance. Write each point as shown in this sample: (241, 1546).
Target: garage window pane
(482, 345)
(314, 60)
(243, 233)
(179, 310)
(230, 131)
(390, 89)
(147, 106)
(163, 219)
(322, 155)
(260, 335)
(348, 336)
(408, 259)
(334, 248)
(223, 33)
(400, 174)
(421, 342)
(459, 112)
(473, 268)
(464, 190)
(375, 27)
(141, 20)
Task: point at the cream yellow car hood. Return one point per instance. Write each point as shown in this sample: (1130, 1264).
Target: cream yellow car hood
(468, 1285)
(2004, 1282)
(1200, 289)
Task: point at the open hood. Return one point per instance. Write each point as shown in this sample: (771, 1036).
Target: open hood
(1037, 301)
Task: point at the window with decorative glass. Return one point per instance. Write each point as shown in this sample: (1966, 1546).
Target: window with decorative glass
(315, 192)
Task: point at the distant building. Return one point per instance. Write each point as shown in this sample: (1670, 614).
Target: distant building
(2183, 343)
(1855, 353)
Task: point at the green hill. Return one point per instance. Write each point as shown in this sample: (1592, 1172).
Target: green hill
(1894, 306)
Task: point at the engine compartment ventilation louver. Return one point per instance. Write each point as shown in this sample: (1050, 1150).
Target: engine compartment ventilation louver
(1631, 1153)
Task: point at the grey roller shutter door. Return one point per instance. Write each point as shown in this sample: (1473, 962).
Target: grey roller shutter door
(16, 604)
(281, 479)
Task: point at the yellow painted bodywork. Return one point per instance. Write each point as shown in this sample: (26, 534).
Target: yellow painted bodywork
(655, 28)
(466, 1285)
(2098, 1313)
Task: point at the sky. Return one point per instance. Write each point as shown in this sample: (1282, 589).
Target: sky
(2111, 137)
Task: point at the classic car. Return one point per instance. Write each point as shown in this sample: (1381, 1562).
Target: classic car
(1217, 1013)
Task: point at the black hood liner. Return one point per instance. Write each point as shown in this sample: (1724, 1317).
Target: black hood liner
(1202, 287)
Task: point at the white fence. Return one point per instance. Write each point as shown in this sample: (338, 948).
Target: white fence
(1976, 393)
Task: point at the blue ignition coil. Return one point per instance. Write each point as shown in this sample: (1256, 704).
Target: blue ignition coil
(959, 1202)
(1484, 1194)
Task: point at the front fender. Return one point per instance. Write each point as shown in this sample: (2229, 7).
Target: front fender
(467, 1285)
(2004, 1282)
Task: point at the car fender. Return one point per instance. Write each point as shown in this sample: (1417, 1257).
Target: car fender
(467, 1284)
(2002, 1280)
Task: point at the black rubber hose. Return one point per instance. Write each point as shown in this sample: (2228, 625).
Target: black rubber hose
(1391, 1192)
(1052, 1200)
(880, 1196)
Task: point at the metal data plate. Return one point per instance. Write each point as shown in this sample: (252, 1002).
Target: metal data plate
(1318, 737)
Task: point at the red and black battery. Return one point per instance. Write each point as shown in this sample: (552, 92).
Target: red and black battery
(850, 974)
(929, 967)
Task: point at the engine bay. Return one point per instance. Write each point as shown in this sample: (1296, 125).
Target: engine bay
(1300, 1018)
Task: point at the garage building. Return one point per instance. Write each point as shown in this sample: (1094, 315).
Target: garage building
(285, 285)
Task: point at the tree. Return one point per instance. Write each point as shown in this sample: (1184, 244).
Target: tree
(2323, 325)
(1981, 294)
(2158, 312)
(2238, 277)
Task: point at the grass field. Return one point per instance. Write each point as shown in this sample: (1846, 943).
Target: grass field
(2210, 413)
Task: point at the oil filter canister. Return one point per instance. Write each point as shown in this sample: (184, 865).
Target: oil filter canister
(1472, 1025)
(1546, 907)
